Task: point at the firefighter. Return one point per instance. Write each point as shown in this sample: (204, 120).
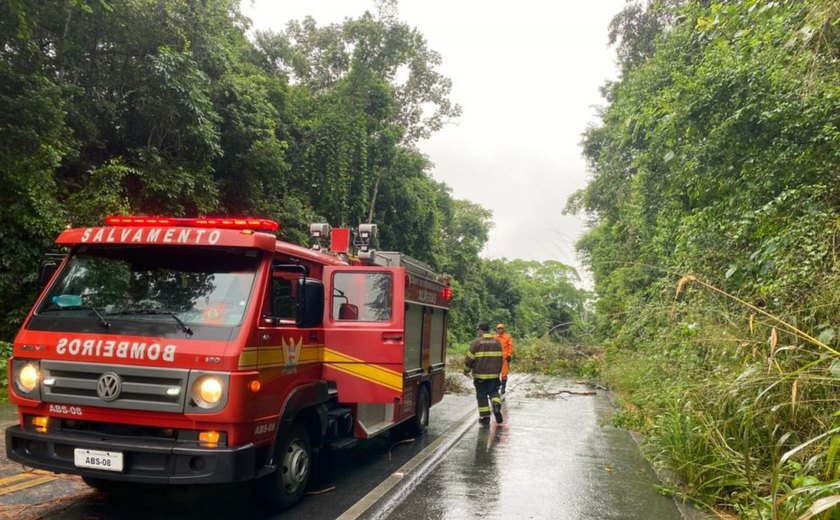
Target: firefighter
(484, 360)
(507, 352)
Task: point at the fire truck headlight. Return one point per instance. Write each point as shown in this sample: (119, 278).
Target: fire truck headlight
(28, 378)
(208, 391)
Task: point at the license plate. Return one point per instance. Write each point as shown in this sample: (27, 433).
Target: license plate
(104, 460)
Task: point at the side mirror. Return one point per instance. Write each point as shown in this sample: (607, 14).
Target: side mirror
(310, 303)
(348, 311)
(48, 269)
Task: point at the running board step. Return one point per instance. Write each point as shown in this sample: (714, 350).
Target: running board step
(343, 444)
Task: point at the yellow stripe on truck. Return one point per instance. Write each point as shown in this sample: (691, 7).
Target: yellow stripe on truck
(359, 368)
(266, 357)
(248, 358)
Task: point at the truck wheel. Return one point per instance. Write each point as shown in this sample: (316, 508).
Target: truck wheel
(293, 457)
(418, 424)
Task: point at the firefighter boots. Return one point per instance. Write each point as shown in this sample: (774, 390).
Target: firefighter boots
(484, 421)
(497, 411)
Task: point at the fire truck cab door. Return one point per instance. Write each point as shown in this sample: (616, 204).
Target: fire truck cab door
(364, 332)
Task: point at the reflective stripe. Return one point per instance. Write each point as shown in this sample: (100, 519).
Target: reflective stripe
(497, 400)
(363, 370)
(489, 354)
(471, 355)
(485, 376)
(484, 409)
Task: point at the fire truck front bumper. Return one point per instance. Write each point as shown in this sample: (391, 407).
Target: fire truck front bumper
(143, 461)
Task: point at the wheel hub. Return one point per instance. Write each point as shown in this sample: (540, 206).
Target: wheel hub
(295, 466)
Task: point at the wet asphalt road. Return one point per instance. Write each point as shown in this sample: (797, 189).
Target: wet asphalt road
(553, 457)
(349, 476)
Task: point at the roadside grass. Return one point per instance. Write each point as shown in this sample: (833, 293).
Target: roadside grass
(739, 404)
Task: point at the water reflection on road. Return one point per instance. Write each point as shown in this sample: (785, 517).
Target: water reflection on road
(553, 457)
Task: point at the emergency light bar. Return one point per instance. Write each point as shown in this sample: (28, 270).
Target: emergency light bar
(259, 224)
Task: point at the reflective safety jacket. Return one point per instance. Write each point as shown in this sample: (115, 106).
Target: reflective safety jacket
(484, 358)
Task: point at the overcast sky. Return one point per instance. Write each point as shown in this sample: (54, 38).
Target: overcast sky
(526, 74)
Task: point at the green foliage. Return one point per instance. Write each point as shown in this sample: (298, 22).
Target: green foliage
(557, 357)
(458, 350)
(533, 299)
(5, 353)
(374, 47)
(34, 140)
(717, 157)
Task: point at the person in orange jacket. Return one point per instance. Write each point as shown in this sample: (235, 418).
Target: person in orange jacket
(507, 352)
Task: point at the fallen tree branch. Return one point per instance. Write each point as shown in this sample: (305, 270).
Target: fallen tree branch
(553, 394)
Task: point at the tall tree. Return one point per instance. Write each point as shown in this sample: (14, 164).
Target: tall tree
(373, 46)
(361, 94)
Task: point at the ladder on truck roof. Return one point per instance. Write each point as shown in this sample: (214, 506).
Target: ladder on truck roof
(412, 265)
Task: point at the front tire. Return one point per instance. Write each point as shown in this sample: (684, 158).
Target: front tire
(418, 424)
(293, 457)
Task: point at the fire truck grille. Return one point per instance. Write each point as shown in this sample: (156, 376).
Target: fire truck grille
(121, 430)
(114, 386)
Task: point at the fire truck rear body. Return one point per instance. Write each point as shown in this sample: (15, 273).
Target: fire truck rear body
(169, 353)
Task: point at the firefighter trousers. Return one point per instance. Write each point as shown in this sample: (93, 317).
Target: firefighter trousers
(484, 389)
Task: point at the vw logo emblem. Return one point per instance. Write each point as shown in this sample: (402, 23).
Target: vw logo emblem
(109, 386)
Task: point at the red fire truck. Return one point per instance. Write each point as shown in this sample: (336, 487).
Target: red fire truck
(197, 350)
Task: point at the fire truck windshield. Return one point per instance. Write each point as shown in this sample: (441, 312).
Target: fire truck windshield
(176, 286)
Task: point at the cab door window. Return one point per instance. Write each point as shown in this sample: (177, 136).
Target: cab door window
(362, 297)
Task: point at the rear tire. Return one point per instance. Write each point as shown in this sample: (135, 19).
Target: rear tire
(418, 424)
(284, 487)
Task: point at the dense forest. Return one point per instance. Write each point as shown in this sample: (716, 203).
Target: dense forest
(714, 205)
(171, 107)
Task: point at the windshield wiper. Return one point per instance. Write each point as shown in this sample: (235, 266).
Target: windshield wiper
(184, 327)
(187, 330)
(102, 321)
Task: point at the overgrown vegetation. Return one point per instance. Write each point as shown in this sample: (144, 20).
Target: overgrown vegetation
(714, 205)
